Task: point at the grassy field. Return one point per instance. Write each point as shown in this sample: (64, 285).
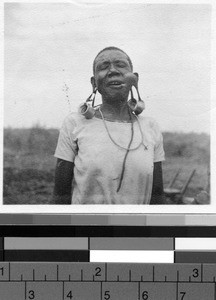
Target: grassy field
(29, 163)
(187, 152)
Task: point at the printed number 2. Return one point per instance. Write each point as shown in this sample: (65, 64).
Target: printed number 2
(31, 295)
(98, 271)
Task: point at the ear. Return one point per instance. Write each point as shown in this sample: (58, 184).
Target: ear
(93, 83)
(135, 79)
(137, 76)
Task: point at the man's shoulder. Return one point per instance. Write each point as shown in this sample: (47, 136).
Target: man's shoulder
(73, 119)
(73, 116)
(150, 126)
(149, 121)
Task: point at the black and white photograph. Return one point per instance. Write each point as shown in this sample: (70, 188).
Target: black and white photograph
(107, 103)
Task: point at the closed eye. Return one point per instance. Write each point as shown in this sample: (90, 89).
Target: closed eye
(121, 64)
(103, 66)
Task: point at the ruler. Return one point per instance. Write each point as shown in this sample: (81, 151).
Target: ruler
(106, 281)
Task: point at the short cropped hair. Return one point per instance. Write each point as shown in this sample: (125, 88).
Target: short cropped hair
(112, 48)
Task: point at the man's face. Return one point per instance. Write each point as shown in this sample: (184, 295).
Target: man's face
(111, 70)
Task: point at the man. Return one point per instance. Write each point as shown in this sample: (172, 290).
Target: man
(114, 158)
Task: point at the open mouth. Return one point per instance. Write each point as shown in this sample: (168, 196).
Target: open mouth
(115, 83)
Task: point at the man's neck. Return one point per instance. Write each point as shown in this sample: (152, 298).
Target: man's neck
(117, 111)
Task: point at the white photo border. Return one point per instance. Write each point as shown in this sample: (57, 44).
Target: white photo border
(120, 209)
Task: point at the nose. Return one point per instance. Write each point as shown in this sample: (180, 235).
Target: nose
(113, 70)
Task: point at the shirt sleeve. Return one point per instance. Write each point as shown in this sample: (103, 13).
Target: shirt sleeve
(67, 146)
(159, 154)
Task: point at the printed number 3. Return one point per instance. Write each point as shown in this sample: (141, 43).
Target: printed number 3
(31, 294)
(195, 273)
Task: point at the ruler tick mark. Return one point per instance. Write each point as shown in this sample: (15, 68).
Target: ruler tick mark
(105, 271)
(57, 270)
(81, 275)
(139, 290)
(214, 290)
(118, 278)
(9, 270)
(142, 278)
(177, 290)
(33, 274)
(69, 278)
(25, 290)
(129, 275)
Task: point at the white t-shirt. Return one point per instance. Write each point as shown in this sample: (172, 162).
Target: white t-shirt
(98, 161)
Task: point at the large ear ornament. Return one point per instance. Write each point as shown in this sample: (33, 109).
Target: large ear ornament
(137, 106)
(87, 108)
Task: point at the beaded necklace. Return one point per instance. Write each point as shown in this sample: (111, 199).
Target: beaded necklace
(132, 129)
(121, 147)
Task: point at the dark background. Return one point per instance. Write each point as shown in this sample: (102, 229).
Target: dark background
(29, 164)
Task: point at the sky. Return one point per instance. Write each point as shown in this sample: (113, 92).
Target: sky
(50, 48)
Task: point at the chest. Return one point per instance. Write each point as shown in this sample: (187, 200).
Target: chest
(99, 146)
